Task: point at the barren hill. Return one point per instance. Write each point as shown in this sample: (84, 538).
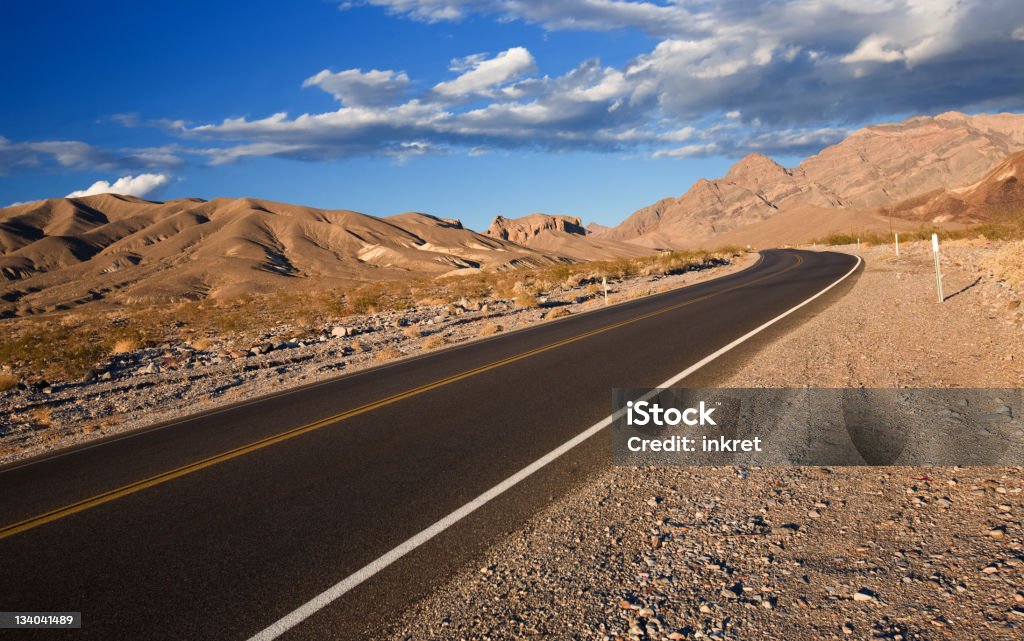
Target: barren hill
(60, 252)
(876, 166)
(1000, 192)
(561, 236)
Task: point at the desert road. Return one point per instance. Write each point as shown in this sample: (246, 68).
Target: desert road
(322, 512)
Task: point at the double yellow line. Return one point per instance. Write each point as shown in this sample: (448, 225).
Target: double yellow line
(137, 486)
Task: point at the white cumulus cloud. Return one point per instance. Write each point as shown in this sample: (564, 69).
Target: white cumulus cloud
(140, 186)
(355, 88)
(482, 74)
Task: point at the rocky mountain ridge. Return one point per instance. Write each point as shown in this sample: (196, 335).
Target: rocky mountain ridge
(999, 193)
(525, 228)
(562, 236)
(876, 166)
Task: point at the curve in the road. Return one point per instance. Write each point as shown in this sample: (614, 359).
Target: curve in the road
(436, 456)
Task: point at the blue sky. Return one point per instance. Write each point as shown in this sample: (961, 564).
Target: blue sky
(470, 108)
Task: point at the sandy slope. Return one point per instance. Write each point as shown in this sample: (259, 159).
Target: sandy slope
(60, 252)
(806, 223)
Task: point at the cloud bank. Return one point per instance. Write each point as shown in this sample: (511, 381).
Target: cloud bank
(75, 154)
(707, 78)
(736, 76)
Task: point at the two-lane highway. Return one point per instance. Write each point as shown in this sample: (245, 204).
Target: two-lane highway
(226, 525)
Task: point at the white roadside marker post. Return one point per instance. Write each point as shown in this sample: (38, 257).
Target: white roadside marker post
(604, 282)
(858, 243)
(938, 273)
(897, 236)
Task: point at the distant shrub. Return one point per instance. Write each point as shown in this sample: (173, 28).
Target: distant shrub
(8, 382)
(490, 329)
(42, 416)
(202, 344)
(388, 353)
(124, 346)
(527, 300)
(365, 300)
(412, 332)
(559, 272)
(48, 351)
(1005, 225)
(434, 342)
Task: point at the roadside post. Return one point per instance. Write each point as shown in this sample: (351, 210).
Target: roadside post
(858, 243)
(896, 235)
(604, 283)
(938, 273)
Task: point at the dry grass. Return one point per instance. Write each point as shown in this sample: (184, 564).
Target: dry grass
(8, 382)
(526, 300)
(558, 312)
(42, 350)
(490, 329)
(434, 342)
(42, 416)
(202, 344)
(412, 332)
(1007, 264)
(388, 353)
(431, 300)
(1008, 225)
(98, 425)
(124, 346)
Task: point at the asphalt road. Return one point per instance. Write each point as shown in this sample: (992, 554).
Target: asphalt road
(250, 511)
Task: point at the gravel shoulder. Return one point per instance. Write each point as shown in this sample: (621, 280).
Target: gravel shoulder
(788, 553)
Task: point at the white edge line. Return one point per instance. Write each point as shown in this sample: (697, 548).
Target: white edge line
(325, 598)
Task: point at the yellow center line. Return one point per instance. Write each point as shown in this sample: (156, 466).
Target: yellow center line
(159, 479)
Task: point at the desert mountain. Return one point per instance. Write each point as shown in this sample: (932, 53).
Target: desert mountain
(561, 236)
(1001, 191)
(59, 252)
(525, 229)
(876, 166)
